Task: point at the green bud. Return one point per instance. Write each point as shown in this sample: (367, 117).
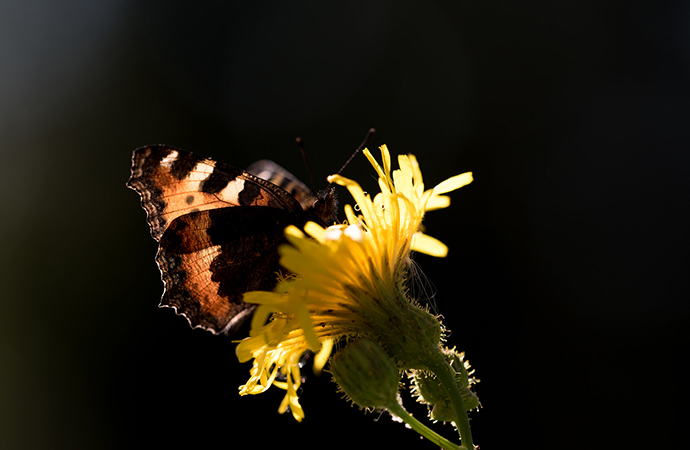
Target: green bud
(411, 336)
(366, 374)
(430, 391)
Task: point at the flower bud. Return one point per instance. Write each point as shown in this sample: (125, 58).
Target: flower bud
(410, 335)
(430, 391)
(366, 374)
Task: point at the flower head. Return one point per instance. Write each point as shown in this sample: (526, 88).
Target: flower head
(348, 282)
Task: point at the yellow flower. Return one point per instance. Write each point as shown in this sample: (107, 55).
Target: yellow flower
(349, 281)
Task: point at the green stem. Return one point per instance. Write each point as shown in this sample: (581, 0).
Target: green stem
(446, 375)
(420, 428)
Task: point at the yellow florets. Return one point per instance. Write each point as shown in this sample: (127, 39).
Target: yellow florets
(348, 281)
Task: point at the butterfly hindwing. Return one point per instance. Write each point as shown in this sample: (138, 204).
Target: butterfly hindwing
(209, 259)
(218, 230)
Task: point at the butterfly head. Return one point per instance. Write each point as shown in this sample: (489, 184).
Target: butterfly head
(325, 206)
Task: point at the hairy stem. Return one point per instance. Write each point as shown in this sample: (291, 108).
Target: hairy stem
(446, 375)
(420, 428)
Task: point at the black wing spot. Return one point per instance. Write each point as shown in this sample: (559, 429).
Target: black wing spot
(189, 199)
(215, 183)
(183, 165)
(249, 194)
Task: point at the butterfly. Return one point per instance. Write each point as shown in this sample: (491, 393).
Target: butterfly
(218, 229)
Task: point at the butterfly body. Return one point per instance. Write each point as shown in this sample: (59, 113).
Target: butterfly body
(218, 229)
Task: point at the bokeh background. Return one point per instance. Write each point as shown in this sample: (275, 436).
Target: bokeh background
(567, 279)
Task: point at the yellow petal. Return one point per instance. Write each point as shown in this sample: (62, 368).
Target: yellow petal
(260, 316)
(417, 173)
(453, 183)
(426, 244)
(383, 185)
(350, 214)
(263, 298)
(316, 231)
(293, 231)
(352, 186)
(308, 328)
(386, 157)
(383, 175)
(402, 178)
(321, 357)
(437, 202)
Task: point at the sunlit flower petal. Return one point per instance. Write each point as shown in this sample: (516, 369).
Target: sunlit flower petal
(453, 183)
(431, 246)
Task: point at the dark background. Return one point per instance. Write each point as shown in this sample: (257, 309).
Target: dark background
(567, 278)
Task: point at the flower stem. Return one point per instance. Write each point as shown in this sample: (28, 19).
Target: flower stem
(446, 375)
(420, 428)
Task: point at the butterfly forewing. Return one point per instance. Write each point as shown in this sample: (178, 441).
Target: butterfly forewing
(218, 229)
(173, 182)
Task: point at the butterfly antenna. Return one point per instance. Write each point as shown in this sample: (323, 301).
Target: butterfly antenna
(300, 144)
(370, 133)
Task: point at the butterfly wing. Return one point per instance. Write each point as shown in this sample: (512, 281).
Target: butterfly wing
(209, 259)
(275, 174)
(217, 229)
(172, 182)
(319, 208)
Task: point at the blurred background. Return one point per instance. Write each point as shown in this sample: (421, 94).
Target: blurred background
(567, 278)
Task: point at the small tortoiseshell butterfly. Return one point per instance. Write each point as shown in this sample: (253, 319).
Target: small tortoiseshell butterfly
(218, 229)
